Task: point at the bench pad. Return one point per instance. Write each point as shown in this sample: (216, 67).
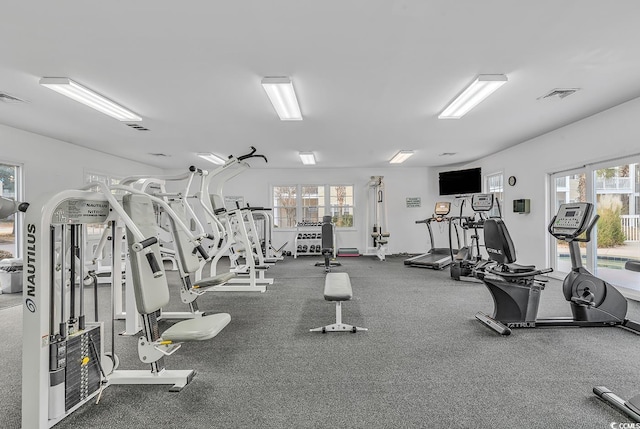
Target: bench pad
(337, 287)
(198, 329)
(215, 280)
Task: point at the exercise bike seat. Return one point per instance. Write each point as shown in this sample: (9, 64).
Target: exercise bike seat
(517, 268)
(632, 266)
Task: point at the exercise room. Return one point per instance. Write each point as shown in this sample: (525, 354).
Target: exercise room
(294, 214)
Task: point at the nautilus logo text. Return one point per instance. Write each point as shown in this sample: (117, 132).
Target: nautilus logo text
(31, 306)
(616, 425)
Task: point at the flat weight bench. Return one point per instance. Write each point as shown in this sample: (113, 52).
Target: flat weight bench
(337, 287)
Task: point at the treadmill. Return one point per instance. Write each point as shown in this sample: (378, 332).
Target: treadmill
(437, 258)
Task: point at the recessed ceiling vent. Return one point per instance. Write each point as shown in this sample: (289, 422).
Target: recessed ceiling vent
(159, 154)
(137, 127)
(447, 153)
(6, 98)
(559, 93)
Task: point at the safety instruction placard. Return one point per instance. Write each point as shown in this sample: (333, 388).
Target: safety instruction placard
(413, 202)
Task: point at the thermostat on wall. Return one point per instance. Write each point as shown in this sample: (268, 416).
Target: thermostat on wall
(522, 206)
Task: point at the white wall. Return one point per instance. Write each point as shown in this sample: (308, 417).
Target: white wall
(610, 134)
(50, 165)
(400, 182)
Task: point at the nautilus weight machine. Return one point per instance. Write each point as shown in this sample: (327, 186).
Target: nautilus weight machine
(64, 362)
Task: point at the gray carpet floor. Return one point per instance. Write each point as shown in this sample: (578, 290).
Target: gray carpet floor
(424, 363)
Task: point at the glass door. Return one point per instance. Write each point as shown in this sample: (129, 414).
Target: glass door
(617, 201)
(568, 187)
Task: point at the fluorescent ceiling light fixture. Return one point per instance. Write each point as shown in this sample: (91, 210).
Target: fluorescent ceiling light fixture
(401, 157)
(77, 92)
(211, 158)
(482, 87)
(307, 158)
(283, 97)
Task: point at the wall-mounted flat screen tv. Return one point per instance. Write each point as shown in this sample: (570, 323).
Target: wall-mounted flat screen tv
(460, 182)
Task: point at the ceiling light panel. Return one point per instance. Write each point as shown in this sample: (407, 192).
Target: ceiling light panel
(215, 159)
(86, 96)
(283, 97)
(401, 157)
(307, 158)
(482, 87)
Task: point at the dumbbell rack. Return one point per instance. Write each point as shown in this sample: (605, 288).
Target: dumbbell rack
(308, 241)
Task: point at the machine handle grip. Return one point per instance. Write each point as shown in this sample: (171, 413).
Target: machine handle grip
(144, 244)
(550, 227)
(593, 223)
(202, 252)
(153, 263)
(251, 155)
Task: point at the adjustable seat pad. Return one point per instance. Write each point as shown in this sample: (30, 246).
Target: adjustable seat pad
(215, 280)
(200, 328)
(337, 287)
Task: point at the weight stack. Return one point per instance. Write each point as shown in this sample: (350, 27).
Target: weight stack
(82, 377)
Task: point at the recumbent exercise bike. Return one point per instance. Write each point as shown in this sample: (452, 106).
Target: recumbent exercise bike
(516, 290)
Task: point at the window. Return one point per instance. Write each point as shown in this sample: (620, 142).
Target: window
(293, 204)
(341, 202)
(10, 187)
(312, 203)
(89, 177)
(102, 178)
(495, 185)
(285, 206)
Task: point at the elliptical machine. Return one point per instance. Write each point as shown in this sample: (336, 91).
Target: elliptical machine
(516, 291)
(466, 258)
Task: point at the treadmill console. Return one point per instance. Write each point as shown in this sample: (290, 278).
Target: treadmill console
(481, 202)
(571, 220)
(442, 208)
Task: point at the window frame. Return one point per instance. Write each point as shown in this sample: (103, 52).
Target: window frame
(324, 208)
(498, 196)
(18, 196)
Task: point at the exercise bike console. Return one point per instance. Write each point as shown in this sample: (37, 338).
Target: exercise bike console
(571, 221)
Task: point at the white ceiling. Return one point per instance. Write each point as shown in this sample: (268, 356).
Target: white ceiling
(371, 76)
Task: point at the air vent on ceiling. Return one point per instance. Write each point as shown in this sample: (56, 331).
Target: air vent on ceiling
(447, 153)
(138, 127)
(7, 98)
(559, 93)
(159, 154)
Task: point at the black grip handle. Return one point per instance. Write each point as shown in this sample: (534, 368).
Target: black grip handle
(251, 155)
(153, 263)
(144, 243)
(202, 252)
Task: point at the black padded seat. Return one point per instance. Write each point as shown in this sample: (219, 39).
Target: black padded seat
(517, 268)
(632, 266)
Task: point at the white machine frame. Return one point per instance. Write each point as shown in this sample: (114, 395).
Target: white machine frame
(41, 399)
